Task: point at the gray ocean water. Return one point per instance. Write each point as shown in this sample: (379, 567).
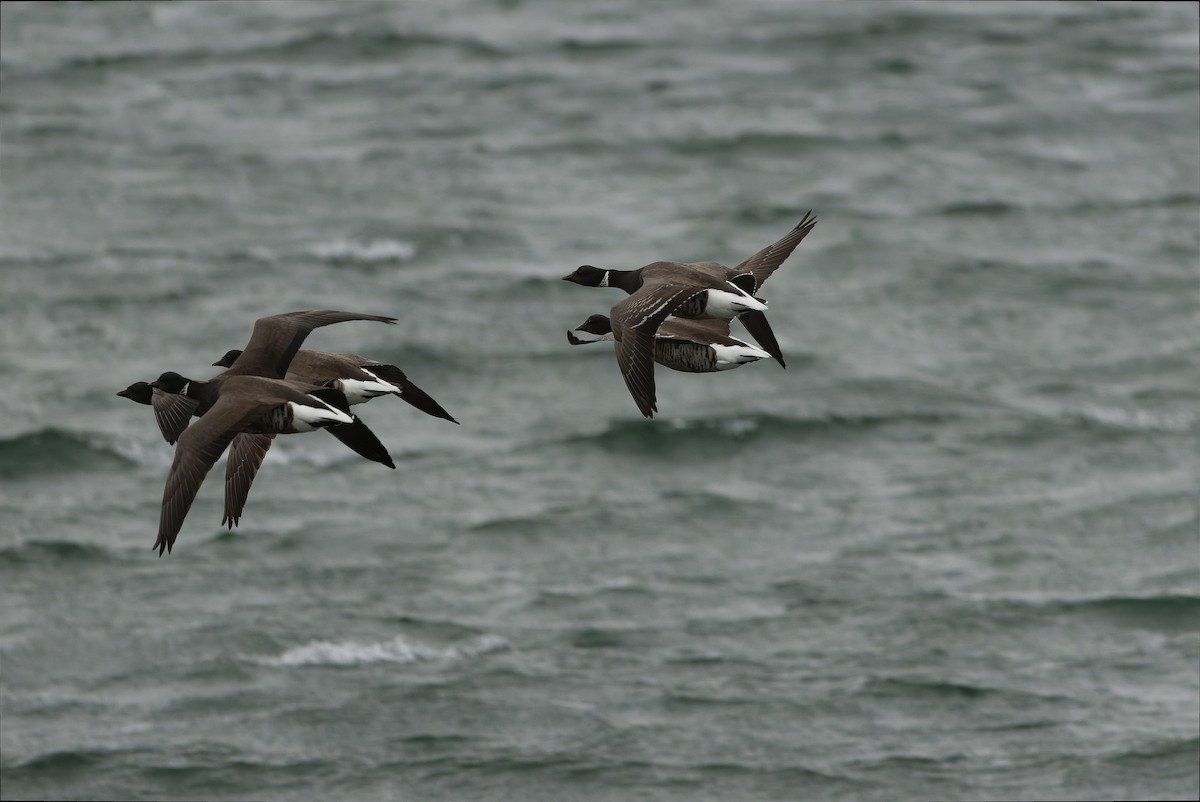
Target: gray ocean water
(951, 552)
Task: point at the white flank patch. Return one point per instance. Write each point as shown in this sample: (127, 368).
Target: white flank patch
(396, 650)
(358, 391)
(728, 305)
(307, 419)
(733, 356)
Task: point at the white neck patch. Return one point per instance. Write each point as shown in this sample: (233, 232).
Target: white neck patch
(185, 388)
(604, 280)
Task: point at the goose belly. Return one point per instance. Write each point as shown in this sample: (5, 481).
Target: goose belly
(686, 357)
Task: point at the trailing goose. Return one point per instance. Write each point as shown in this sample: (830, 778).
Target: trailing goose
(698, 290)
(358, 377)
(689, 346)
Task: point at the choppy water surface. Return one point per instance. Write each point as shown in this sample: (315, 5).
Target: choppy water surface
(950, 553)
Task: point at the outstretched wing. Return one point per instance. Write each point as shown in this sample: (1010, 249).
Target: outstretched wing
(173, 413)
(635, 320)
(762, 264)
(246, 454)
(199, 448)
(277, 338)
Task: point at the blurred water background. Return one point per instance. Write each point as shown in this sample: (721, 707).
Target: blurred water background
(950, 553)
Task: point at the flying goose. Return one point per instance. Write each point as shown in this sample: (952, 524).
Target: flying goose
(248, 449)
(273, 343)
(689, 346)
(239, 405)
(358, 377)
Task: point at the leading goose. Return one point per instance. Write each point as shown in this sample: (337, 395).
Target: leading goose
(247, 451)
(238, 405)
(360, 378)
(747, 278)
(273, 343)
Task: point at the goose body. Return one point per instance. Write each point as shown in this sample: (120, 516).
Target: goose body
(359, 378)
(241, 405)
(682, 345)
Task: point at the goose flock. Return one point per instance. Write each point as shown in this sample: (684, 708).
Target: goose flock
(677, 314)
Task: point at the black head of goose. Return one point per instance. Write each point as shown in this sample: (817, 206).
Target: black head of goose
(688, 346)
(700, 290)
(358, 377)
(138, 392)
(248, 411)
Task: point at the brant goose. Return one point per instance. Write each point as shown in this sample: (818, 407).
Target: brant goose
(273, 343)
(249, 448)
(689, 346)
(670, 281)
(247, 451)
(358, 377)
(238, 405)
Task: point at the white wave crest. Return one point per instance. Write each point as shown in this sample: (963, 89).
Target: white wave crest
(370, 252)
(395, 650)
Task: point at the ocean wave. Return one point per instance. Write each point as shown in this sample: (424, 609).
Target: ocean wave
(53, 551)
(909, 687)
(1042, 420)
(59, 764)
(664, 435)
(369, 252)
(1185, 749)
(396, 650)
(346, 44)
(1171, 611)
(52, 450)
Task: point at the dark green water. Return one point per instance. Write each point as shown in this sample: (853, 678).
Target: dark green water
(950, 553)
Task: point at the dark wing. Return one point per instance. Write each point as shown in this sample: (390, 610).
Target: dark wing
(705, 330)
(246, 454)
(758, 327)
(173, 413)
(362, 440)
(408, 391)
(277, 338)
(635, 320)
(199, 448)
(762, 264)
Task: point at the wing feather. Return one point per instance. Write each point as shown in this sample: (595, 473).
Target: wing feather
(635, 321)
(246, 454)
(276, 339)
(762, 264)
(172, 412)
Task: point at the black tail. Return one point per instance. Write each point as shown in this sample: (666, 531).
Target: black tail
(411, 392)
(362, 440)
(756, 323)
